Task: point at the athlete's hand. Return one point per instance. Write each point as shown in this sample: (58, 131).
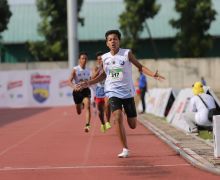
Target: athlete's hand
(84, 84)
(76, 87)
(157, 76)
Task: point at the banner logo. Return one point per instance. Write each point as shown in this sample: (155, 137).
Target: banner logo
(12, 87)
(63, 84)
(40, 85)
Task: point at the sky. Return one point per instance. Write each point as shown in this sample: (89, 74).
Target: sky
(20, 1)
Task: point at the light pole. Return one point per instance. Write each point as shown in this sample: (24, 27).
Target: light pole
(73, 46)
(0, 49)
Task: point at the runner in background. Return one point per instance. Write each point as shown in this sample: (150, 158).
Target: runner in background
(81, 97)
(100, 98)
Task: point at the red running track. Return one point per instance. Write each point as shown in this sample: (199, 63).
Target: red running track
(50, 144)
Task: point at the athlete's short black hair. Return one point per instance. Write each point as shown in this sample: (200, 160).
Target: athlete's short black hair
(113, 32)
(99, 53)
(83, 53)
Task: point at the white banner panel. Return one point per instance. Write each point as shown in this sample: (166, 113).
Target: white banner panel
(35, 88)
(40, 88)
(157, 101)
(181, 105)
(17, 95)
(216, 135)
(3, 89)
(150, 100)
(63, 93)
(162, 101)
(49, 88)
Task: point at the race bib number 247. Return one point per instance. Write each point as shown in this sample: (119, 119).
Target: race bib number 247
(116, 74)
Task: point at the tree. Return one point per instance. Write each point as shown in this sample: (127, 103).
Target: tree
(54, 29)
(132, 20)
(5, 15)
(192, 38)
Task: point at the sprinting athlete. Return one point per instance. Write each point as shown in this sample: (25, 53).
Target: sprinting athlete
(81, 97)
(100, 98)
(119, 87)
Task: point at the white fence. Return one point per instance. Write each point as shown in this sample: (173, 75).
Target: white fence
(179, 73)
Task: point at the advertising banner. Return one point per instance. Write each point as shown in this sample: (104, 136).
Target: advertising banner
(35, 88)
(180, 106)
(3, 89)
(17, 95)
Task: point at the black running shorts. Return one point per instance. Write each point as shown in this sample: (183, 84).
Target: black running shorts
(78, 96)
(128, 105)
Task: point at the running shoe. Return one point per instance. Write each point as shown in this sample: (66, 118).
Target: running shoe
(102, 128)
(87, 127)
(107, 125)
(124, 153)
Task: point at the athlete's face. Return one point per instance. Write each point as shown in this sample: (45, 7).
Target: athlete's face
(83, 60)
(99, 60)
(113, 42)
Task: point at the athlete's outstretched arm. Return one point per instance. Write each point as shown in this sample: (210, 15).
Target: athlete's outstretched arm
(97, 79)
(144, 69)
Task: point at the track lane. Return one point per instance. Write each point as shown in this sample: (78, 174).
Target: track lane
(52, 145)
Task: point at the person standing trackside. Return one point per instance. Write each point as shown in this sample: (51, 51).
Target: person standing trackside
(143, 89)
(119, 87)
(81, 97)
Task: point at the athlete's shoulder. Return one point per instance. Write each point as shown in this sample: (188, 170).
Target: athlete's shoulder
(106, 56)
(124, 52)
(96, 68)
(75, 67)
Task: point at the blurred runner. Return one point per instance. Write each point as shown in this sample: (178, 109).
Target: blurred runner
(100, 98)
(81, 97)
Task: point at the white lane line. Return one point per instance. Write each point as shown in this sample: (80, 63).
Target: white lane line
(86, 167)
(27, 138)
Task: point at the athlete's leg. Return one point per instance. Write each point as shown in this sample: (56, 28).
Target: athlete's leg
(118, 118)
(100, 106)
(107, 110)
(143, 91)
(130, 110)
(77, 98)
(132, 122)
(107, 114)
(78, 108)
(116, 108)
(86, 102)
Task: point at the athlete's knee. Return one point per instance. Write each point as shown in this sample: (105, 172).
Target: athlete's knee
(132, 122)
(87, 105)
(117, 115)
(78, 110)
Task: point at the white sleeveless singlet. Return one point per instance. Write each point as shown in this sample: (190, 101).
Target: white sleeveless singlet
(81, 74)
(118, 71)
